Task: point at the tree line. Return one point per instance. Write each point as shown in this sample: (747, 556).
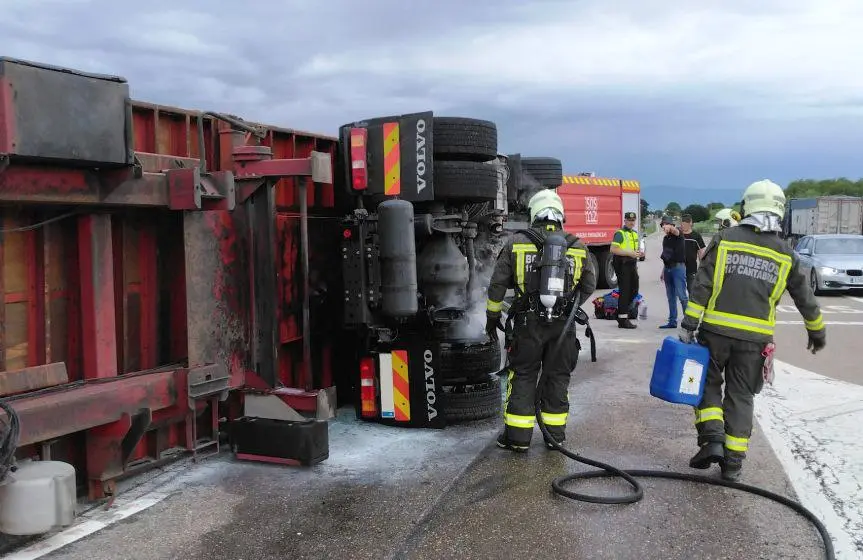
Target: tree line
(800, 188)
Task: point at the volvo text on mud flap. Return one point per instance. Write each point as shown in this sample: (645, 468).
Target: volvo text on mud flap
(431, 394)
(398, 152)
(407, 391)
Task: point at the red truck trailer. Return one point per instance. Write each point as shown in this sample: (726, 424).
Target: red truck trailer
(165, 273)
(594, 209)
(154, 260)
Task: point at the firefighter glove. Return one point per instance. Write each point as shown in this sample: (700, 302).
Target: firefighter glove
(816, 342)
(685, 335)
(492, 320)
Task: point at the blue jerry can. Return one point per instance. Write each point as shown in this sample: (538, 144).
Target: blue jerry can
(679, 372)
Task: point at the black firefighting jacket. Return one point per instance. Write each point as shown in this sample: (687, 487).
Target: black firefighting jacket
(743, 274)
(516, 256)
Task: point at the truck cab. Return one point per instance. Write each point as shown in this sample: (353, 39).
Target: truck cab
(418, 251)
(594, 211)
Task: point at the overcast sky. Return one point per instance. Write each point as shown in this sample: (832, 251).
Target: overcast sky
(696, 94)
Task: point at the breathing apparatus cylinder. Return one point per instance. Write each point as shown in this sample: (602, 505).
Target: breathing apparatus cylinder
(552, 270)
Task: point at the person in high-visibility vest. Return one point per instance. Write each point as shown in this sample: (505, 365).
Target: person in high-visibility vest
(551, 275)
(626, 251)
(743, 274)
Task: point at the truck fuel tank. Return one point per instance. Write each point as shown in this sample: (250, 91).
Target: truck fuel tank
(398, 258)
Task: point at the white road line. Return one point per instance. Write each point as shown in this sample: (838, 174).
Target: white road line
(619, 340)
(812, 427)
(89, 525)
(847, 323)
(825, 309)
(852, 298)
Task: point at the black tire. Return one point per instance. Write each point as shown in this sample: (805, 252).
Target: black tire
(548, 172)
(607, 277)
(813, 283)
(465, 180)
(460, 139)
(595, 262)
(465, 362)
(473, 402)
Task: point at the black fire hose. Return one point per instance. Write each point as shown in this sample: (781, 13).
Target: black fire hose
(607, 471)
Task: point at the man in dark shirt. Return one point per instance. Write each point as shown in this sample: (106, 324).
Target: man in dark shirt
(694, 249)
(674, 272)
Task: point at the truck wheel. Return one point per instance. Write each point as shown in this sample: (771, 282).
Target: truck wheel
(473, 401)
(465, 180)
(460, 139)
(548, 172)
(595, 263)
(465, 362)
(607, 276)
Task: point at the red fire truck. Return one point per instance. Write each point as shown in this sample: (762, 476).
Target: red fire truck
(594, 211)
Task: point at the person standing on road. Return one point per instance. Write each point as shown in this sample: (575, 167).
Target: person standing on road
(536, 327)
(742, 276)
(674, 272)
(694, 250)
(625, 248)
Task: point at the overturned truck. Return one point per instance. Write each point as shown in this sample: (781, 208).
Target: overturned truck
(432, 195)
(428, 192)
(166, 274)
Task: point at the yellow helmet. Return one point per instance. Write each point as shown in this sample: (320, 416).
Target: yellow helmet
(727, 218)
(764, 196)
(546, 198)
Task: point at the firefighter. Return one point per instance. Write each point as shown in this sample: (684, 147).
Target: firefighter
(550, 273)
(625, 248)
(742, 276)
(726, 218)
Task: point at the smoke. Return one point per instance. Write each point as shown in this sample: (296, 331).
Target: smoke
(529, 187)
(487, 247)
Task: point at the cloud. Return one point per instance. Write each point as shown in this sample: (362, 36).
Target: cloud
(791, 55)
(689, 94)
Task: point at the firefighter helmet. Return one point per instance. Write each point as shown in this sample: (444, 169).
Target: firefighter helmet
(764, 196)
(727, 218)
(546, 199)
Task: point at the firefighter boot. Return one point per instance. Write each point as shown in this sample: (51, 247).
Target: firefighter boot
(732, 465)
(504, 443)
(711, 452)
(625, 324)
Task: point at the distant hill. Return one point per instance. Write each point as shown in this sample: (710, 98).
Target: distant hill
(658, 196)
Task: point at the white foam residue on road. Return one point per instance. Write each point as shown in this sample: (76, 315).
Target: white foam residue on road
(812, 423)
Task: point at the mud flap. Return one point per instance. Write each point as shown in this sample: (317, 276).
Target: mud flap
(410, 393)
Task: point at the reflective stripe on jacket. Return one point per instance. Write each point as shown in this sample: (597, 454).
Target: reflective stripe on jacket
(630, 239)
(518, 253)
(741, 278)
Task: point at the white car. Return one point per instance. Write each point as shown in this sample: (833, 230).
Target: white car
(831, 262)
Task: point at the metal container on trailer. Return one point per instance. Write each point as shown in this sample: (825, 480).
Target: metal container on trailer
(826, 214)
(59, 115)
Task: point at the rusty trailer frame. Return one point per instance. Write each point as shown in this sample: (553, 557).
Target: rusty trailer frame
(133, 298)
